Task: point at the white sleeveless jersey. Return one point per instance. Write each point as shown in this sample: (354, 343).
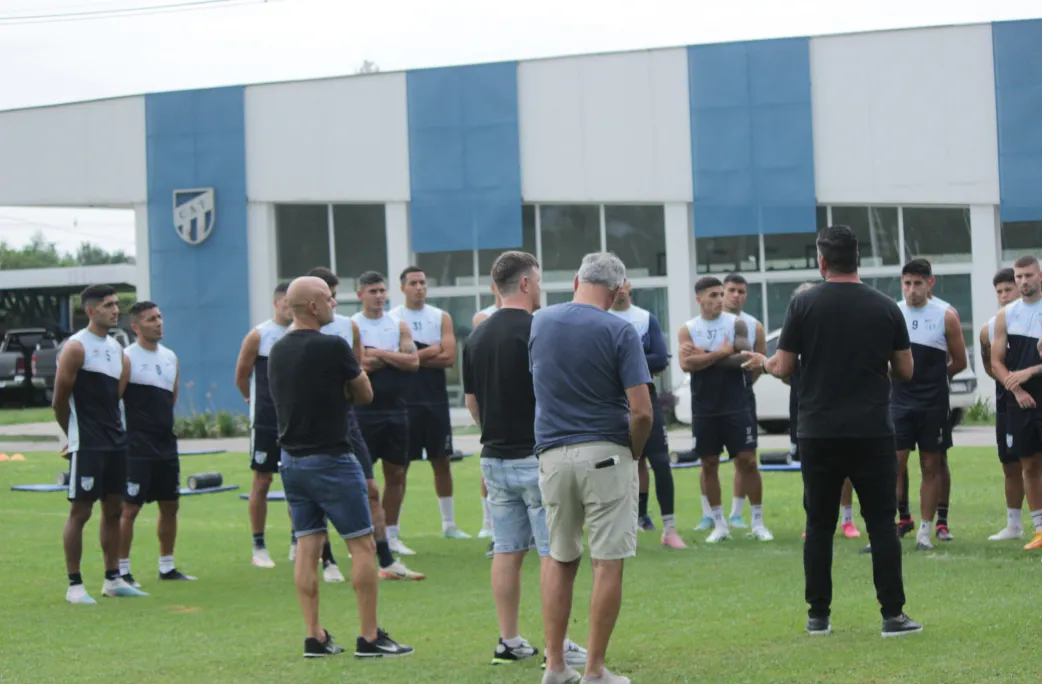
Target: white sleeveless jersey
(489, 310)
(716, 391)
(341, 327)
(149, 402)
(424, 324)
(382, 333)
(96, 412)
(637, 317)
(1023, 331)
(711, 335)
(928, 388)
(153, 368)
(262, 408)
(751, 323)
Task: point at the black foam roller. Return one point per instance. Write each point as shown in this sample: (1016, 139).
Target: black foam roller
(775, 457)
(63, 479)
(205, 480)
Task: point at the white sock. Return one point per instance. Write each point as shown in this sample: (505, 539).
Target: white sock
(848, 514)
(757, 515)
(166, 563)
(737, 506)
(1013, 519)
(448, 518)
(1036, 517)
(124, 566)
(924, 527)
(668, 522)
(718, 517)
(514, 642)
(392, 532)
(707, 512)
(486, 511)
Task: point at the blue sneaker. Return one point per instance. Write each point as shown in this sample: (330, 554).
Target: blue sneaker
(706, 523)
(736, 522)
(118, 588)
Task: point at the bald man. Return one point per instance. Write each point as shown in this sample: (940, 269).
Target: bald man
(313, 379)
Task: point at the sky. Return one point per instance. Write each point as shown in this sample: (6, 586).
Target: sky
(231, 42)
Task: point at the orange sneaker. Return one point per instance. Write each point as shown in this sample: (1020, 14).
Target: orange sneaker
(850, 530)
(671, 539)
(1035, 543)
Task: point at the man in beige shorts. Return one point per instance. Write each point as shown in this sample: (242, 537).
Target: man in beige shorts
(593, 416)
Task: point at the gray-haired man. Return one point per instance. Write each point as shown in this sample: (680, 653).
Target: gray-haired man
(592, 418)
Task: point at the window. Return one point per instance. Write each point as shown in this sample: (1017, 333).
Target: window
(794, 251)
(727, 254)
(956, 290)
(568, 234)
(637, 234)
(486, 257)
(360, 237)
(558, 297)
(1020, 238)
(446, 269)
(462, 311)
(876, 230)
(485, 301)
(940, 235)
(301, 238)
(754, 302)
(890, 286)
(348, 308)
(656, 300)
(778, 297)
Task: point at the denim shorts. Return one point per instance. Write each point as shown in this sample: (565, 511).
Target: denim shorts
(324, 487)
(518, 516)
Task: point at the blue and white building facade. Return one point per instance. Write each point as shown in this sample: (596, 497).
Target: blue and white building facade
(683, 161)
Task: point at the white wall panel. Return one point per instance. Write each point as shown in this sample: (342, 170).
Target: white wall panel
(337, 139)
(86, 154)
(606, 128)
(905, 116)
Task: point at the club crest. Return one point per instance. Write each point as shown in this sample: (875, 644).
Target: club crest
(133, 488)
(86, 483)
(194, 213)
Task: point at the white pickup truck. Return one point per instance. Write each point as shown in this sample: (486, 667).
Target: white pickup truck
(772, 396)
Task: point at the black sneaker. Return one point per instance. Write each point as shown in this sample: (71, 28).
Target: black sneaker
(819, 626)
(504, 654)
(129, 579)
(491, 549)
(900, 625)
(313, 648)
(646, 524)
(176, 574)
(865, 549)
(383, 647)
(905, 526)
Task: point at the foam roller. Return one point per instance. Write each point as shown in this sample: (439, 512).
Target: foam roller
(205, 480)
(63, 479)
(775, 457)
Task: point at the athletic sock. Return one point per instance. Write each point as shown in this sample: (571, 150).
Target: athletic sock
(514, 642)
(1036, 517)
(448, 516)
(718, 517)
(112, 574)
(642, 504)
(924, 527)
(707, 511)
(848, 514)
(902, 510)
(738, 506)
(486, 513)
(664, 491)
(166, 564)
(942, 514)
(668, 522)
(392, 532)
(1013, 519)
(383, 553)
(124, 566)
(757, 515)
(327, 554)
(75, 578)
(258, 540)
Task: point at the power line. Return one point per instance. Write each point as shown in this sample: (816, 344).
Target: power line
(50, 226)
(194, 5)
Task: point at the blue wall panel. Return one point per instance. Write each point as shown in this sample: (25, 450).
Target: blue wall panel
(464, 158)
(752, 143)
(1017, 48)
(196, 139)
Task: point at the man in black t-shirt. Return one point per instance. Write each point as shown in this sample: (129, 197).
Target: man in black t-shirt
(497, 380)
(850, 339)
(313, 378)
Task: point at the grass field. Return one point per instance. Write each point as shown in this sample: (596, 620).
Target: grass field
(729, 613)
(18, 416)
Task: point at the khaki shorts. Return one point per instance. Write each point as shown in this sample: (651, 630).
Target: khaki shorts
(604, 499)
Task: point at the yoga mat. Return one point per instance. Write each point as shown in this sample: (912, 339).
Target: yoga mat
(783, 468)
(200, 452)
(39, 488)
(272, 496)
(210, 490)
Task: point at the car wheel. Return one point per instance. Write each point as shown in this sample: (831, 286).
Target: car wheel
(957, 416)
(775, 427)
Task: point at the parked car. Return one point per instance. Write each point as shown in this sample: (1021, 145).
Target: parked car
(45, 362)
(15, 371)
(772, 396)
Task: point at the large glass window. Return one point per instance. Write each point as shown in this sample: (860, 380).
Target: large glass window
(1020, 238)
(360, 237)
(446, 269)
(890, 286)
(637, 234)
(794, 250)
(461, 309)
(568, 234)
(727, 254)
(754, 302)
(348, 308)
(956, 290)
(487, 257)
(301, 238)
(558, 297)
(778, 297)
(876, 230)
(941, 235)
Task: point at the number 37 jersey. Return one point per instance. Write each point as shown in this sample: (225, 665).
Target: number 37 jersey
(716, 391)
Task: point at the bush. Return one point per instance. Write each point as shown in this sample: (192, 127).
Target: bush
(208, 425)
(980, 412)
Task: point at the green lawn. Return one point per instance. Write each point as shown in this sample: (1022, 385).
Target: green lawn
(18, 416)
(730, 613)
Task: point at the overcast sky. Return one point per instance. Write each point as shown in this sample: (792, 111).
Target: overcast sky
(249, 41)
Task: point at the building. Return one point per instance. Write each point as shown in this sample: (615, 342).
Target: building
(684, 161)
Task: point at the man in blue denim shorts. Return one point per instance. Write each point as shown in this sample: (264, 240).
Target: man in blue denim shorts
(313, 378)
(498, 385)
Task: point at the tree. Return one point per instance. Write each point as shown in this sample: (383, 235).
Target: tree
(367, 68)
(40, 253)
(90, 254)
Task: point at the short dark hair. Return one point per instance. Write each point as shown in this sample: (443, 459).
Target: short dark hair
(736, 278)
(1026, 261)
(706, 282)
(281, 289)
(918, 267)
(139, 308)
(1004, 275)
(407, 270)
(838, 246)
(324, 274)
(95, 293)
(370, 278)
(509, 267)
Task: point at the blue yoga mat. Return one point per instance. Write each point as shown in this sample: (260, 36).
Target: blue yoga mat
(39, 488)
(780, 467)
(272, 496)
(209, 490)
(200, 452)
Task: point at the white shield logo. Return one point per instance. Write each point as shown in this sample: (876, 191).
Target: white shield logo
(1009, 441)
(194, 212)
(133, 488)
(260, 456)
(87, 483)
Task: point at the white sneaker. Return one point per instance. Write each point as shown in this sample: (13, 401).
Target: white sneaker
(398, 547)
(77, 593)
(485, 533)
(761, 533)
(453, 532)
(331, 573)
(922, 542)
(262, 559)
(117, 588)
(292, 553)
(1008, 533)
(398, 571)
(574, 654)
(718, 534)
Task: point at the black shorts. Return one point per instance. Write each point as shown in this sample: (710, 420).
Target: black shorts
(430, 431)
(264, 450)
(1003, 439)
(94, 475)
(1025, 427)
(712, 434)
(152, 479)
(360, 450)
(385, 439)
(927, 429)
